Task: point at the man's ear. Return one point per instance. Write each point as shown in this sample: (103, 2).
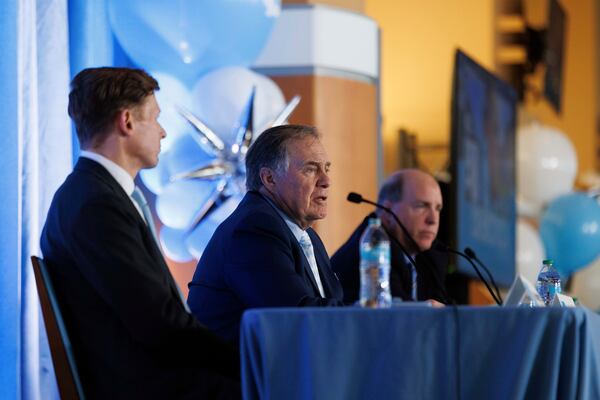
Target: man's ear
(267, 177)
(387, 203)
(386, 218)
(125, 121)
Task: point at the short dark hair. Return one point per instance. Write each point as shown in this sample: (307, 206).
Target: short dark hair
(98, 94)
(270, 150)
(392, 188)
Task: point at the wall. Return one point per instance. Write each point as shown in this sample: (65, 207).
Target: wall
(419, 39)
(580, 82)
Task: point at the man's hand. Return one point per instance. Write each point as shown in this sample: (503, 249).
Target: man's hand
(435, 303)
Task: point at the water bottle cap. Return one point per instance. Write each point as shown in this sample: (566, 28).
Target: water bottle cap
(374, 221)
(548, 262)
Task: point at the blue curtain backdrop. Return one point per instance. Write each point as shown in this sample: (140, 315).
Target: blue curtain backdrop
(9, 239)
(91, 42)
(44, 44)
(35, 150)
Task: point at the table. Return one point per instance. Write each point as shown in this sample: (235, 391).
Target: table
(421, 353)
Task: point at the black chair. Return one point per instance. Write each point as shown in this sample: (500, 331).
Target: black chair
(69, 384)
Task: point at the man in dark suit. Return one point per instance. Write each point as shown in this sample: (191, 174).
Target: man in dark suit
(266, 254)
(416, 199)
(131, 334)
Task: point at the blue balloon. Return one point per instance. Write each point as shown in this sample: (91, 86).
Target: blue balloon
(173, 245)
(197, 240)
(189, 37)
(180, 202)
(156, 178)
(570, 230)
(186, 155)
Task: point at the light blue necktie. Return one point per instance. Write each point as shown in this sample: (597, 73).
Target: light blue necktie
(309, 252)
(140, 199)
(413, 272)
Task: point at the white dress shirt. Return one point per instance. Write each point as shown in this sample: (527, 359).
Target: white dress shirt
(116, 171)
(305, 243)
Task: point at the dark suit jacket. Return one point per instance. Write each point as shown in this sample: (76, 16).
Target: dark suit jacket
(346, 261)
(254, 260)
(131, 336)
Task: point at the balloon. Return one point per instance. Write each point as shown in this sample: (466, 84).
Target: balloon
(156, 178)
(198, 239)
(586, 285)
(530, 251)
(172, 241)
(179, 203)
(186, 155)
(172, 94)
(570, 231)
(220, 96)
(547, 163)
(189, 37)
(526, 208)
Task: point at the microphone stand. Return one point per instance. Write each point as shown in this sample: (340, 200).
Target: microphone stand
(471, 254)
(357, 198)
(450, 250)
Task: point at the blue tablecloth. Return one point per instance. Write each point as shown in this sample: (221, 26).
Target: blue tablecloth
(421, 353)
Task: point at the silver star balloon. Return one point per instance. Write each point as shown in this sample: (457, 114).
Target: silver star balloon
(224, 172)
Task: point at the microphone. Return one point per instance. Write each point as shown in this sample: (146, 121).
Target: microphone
(441, 246)
(471, 254)
(354, 197)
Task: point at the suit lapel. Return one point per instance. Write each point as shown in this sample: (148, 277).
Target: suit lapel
(256, 196)
(323, 265)
(99, 172)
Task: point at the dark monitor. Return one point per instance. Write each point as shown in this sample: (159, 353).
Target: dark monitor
(554, 54)
(482, 164)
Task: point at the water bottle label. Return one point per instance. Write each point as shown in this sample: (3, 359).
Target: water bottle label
(377, 254)
(374, 276)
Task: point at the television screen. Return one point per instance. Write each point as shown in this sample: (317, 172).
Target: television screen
(483, 168)
(554, 54)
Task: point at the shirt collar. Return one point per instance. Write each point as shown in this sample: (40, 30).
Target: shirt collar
(294, 227)
(117, 172)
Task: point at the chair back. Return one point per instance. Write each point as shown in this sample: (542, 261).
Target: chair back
(69, 384)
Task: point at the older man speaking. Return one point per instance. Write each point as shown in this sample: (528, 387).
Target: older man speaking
(266, 254)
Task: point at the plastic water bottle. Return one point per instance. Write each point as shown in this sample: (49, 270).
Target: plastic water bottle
(375, 266)
(548, 282)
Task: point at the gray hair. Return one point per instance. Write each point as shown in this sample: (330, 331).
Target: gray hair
(270, 151)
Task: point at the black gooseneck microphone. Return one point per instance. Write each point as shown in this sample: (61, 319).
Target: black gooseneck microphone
(471, 254)
(357, 198)
(444, 247)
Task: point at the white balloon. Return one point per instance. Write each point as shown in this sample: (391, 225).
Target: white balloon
(526, 208)
(586, 285)
(546, 163)
(220, 96)
(172, 93)
(530, 251)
